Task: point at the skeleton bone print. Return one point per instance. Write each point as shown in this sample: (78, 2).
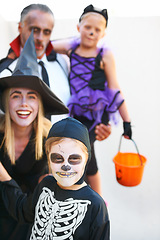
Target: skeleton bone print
(57, 220)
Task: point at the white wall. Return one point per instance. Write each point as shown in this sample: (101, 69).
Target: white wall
(135, 42)
(135, 211)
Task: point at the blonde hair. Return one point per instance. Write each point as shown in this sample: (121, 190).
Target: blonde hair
(86, 15)
(52, 141)
(41, 126)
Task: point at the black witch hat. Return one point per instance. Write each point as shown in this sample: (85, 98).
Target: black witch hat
(26, 75)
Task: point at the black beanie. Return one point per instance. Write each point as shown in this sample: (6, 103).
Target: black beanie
(72, 128)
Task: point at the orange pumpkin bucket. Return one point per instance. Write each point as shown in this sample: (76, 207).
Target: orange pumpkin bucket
(129, 167)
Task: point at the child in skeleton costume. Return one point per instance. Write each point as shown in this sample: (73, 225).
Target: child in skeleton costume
(62, 206)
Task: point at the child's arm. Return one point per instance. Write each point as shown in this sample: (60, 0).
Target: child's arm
(110, 71)
(63, 46)
(17, 203)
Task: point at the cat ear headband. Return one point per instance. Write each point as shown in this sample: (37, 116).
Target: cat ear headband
(91, 8)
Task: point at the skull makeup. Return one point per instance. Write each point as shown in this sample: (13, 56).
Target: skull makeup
(67, 161)
(69, 128)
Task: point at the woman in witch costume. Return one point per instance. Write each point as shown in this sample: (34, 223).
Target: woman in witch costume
(62, 206)
(23, 131)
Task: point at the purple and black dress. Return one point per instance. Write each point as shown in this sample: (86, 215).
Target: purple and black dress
(91, 102)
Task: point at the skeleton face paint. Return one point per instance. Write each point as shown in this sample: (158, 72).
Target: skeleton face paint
(67, 162)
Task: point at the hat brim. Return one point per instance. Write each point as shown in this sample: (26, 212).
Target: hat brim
(51, 103)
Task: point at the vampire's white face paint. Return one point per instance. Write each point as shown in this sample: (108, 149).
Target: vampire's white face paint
(67, 161)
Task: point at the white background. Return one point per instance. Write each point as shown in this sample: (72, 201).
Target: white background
(10, 10)
(133, 34)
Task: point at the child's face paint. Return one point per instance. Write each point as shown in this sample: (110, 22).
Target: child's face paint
(91, 29)
(67, 162)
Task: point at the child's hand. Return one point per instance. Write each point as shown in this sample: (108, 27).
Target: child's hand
(127, 130)
(4, 176)
(102, 131)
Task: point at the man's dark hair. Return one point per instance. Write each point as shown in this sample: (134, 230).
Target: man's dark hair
(31, 7)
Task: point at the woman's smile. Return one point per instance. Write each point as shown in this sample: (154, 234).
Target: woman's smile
(23, 113)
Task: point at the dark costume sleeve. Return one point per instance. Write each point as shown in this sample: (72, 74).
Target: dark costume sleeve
(100, 223)
(16, 202)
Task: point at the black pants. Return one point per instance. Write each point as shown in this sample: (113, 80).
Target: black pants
(92, 165)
